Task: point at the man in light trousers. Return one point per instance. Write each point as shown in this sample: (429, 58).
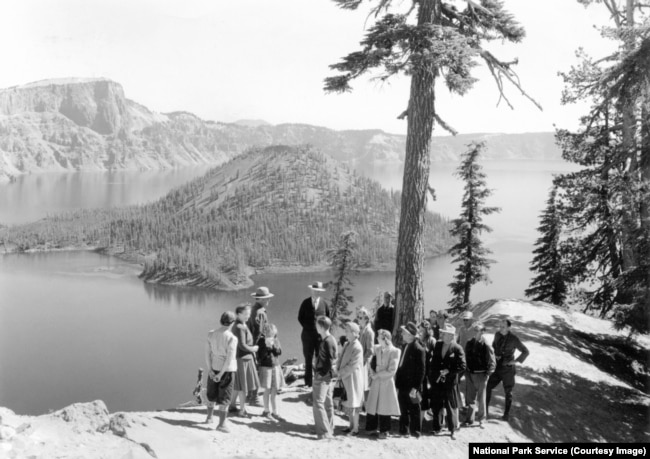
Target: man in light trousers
(481, 363)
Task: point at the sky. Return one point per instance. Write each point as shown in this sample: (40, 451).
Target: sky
(266, 59)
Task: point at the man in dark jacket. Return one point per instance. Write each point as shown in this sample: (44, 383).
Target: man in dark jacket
(447, 364)
(480, 365)
(310, 309)
(324, 369)
(408, 381)
(505, 343)
(385, 315)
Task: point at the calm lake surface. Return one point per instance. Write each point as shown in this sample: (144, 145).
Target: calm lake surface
(78, 326)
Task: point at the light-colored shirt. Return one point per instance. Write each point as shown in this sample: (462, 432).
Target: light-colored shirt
(221, 350)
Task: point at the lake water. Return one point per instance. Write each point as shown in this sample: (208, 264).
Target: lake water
(78, 326)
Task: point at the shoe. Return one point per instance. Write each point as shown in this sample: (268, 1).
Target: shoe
(453, 436)
(372, 433)
(209, 420)
(405, 434)
(353, 434)
(325, 437)
(382, 435)
(277, 417)
(233, 409)
(243, 414)
(269, 416)
(223, 429)
(416, 435)
(435, 432)
(347, 430)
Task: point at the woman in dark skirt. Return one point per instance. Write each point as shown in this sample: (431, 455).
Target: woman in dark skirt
(246, 379)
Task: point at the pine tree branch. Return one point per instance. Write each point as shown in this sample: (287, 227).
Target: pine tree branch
(445, 126)
(500, 70)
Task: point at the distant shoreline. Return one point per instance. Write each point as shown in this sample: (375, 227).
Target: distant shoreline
(196, 281)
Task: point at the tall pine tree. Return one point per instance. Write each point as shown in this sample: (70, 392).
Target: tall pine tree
(433, 40)
(607, 218)
(550, 283)
(469, 252)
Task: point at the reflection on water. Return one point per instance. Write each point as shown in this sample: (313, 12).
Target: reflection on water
(31, 197)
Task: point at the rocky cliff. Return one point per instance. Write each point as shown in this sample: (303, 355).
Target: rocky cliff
(89, 124)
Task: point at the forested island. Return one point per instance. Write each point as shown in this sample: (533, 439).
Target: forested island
(279, 206)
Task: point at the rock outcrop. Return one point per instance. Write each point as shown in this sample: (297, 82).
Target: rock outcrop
(89, 124)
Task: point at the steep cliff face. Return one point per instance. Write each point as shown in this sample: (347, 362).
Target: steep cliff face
(88, 124)
(98, 104)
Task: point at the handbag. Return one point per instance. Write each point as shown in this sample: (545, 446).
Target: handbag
(339, 391)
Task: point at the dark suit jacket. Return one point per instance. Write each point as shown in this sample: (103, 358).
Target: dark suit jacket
(453, 360)
(307, 315)
(410, 374)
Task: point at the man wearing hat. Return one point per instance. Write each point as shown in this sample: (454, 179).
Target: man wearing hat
(447, 364)
(258, 317)
(256, 324)
(466, 331)
(480, 365)
(310, 310)
(408, 381)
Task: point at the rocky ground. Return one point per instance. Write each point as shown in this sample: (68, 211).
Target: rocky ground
(583, 382)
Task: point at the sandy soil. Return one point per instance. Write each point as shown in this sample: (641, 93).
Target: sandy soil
(564, 393)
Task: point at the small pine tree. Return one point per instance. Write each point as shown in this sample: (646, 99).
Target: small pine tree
(469, 252)
(550, 284)
(343, 260)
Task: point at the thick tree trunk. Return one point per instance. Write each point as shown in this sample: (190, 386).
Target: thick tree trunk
(409, 301)
(629, 256)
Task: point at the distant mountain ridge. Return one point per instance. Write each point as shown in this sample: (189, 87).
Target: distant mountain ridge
(89, 124)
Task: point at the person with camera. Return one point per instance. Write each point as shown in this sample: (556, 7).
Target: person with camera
(505, 344)
(447, 364)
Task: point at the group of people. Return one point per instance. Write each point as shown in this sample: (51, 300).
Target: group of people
(425, 376)
(242, 357)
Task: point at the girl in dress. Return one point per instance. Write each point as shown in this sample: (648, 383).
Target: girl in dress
(271, 378)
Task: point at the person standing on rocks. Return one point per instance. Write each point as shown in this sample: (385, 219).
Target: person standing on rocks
(310, 310)
(480, 365)
(324, 373)
(221, 361)
(505, 343)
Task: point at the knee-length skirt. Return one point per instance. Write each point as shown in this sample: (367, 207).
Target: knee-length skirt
(246, 379)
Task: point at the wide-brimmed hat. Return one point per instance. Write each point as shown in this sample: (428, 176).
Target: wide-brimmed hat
(262, 292)
(410, 328)
(467, 315)
(448, 328)
(317, 286)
